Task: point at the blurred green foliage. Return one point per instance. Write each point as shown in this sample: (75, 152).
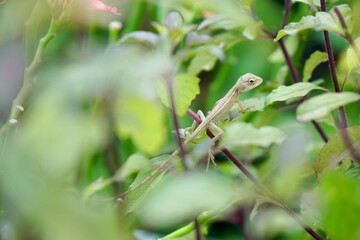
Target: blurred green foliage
(84, 156)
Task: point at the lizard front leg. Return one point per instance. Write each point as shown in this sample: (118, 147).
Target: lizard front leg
(242, 108)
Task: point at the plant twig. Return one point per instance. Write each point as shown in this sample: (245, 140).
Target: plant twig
(287, 8)
(258, 184)
(289, 62)
(19, 101)
(197, 229)
(343, 121)
(296, 78)
(170, 85)
(348, 36)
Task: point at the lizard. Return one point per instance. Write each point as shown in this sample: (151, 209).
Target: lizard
(244, 84)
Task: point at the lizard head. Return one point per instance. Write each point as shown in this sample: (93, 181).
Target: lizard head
(248, 81)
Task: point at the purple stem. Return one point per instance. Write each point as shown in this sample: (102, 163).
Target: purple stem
(287, 8)
(343, 121)
(348, 36)
(258, 184)
(197, 229)
(176, 121)
(296, 78)
(344, 134)
(293, 72)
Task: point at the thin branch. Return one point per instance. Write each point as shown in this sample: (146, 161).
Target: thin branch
(197, 229)
(343, 122)
(332, 66)
(320, 130)
(258, 184)
(348, 36)
(296, 78)
(287, 8)
(170, 85)
(349, 145)
(329, 50)
(19, 101)
(293, 72)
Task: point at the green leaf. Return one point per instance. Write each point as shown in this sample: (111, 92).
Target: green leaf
(340, 206)
(296, 90)
(322, 105)
(352, 59)
(308, 2)
(245, 134)
(202, 61)
(194, 38)
(218, 22)
(173, 20)
(205, 60)
(185, 89)
(309, 208)
(141, 37)
(182, 197)
(133, 164)
(146, 180)
(141, 120)
(335, 153)
(321, 21)
(315, 59)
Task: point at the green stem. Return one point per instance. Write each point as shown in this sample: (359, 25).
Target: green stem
(18, 103)
(29, 71)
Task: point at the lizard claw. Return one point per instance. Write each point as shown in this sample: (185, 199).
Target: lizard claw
(211, 158)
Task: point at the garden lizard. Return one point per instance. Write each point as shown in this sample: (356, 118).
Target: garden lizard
(245, 83)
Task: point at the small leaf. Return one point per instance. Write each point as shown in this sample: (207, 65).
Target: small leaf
(309, 208)
(218, 22)
(173, 20)
(352, 59)
(144, 183)
(308, 2)
(182, 197)
(322, 105)
(202, 61)
(141, 37)
(185, 89)
(321, 21)
(245, 134)
(335, 153)
(306, 22)
(315, 59)
(133, 164)
(195, 38)
(141, 120)
(296, 90)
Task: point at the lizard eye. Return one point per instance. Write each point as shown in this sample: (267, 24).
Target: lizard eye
(251, 81)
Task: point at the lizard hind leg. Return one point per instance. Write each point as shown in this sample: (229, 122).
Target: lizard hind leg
(194, 124)
(217, 132)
